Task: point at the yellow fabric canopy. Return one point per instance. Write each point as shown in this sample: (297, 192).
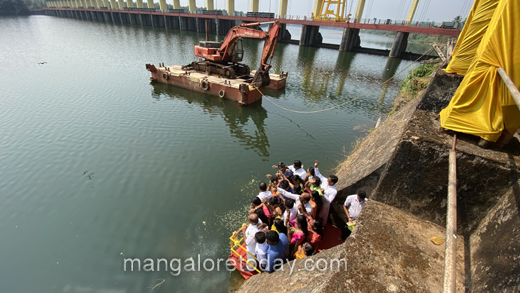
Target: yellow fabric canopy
(471, 35)
(482, 105)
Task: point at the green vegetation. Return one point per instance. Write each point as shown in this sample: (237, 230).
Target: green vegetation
(419, 38)
(416, 80)
(14, 7)
(19, 7)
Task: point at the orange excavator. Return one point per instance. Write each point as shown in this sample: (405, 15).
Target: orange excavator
(223, 58)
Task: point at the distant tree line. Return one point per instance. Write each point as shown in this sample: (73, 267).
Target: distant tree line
(420, 38)
(19, 7)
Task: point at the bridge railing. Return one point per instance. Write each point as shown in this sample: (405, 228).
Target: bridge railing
(263, 15)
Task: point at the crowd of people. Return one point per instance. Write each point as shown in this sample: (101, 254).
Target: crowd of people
(287, 218)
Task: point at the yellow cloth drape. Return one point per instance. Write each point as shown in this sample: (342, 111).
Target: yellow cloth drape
(469, 39)
(482, 105)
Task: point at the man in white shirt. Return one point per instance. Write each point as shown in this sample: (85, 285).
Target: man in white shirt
(297, 169)
(264, 194)
(329, 193)
(353, 205)
(299, 200)
(249, 237)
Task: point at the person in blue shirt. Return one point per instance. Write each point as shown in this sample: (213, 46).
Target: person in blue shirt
(285, 242)
(275, 252)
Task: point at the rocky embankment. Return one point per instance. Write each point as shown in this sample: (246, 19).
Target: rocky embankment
(403, 167)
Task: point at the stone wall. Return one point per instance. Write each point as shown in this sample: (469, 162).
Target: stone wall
(494, 247)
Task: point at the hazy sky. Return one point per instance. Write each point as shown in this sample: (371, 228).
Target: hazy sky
(436, 10)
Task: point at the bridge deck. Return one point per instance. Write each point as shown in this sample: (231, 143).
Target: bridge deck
(370, 26)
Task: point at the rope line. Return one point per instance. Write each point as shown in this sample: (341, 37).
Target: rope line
(349, 101)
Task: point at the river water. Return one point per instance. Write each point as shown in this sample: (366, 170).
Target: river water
(98, 165)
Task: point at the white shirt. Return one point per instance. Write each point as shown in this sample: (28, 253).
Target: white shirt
(354, 206)
(261, 251)
(264, 195)
(296, 198)
(300, 172)
(330, 191)
(294, 213)
(250, 235)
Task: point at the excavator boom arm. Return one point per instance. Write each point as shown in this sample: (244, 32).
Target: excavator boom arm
(270, 45)
(242, 30)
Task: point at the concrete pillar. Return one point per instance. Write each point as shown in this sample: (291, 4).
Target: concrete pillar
(106, 4)
(399, 45)
(359, 10)
(412, 11)
(283, 8)
(230, 7)
(192, 6)
(162, 5)
(129, 3)
(310, 35)
(113, 4)
(99, 3)
(254, 5)
(121, 4)
(140, 4)
(92, 3)
(210, 5)
(176, 4)
(150, 4)
(350, 39)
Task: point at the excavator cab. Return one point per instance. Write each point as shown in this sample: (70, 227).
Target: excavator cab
(238, 53)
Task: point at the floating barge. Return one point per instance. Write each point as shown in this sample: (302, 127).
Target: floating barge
(238, 89)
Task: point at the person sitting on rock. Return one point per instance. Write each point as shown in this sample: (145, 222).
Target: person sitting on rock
(352, 207)
(329, 193)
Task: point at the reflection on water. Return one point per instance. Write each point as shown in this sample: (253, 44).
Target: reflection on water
(235, 116)
(390, 69)
(173, 169)
(342, 67)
